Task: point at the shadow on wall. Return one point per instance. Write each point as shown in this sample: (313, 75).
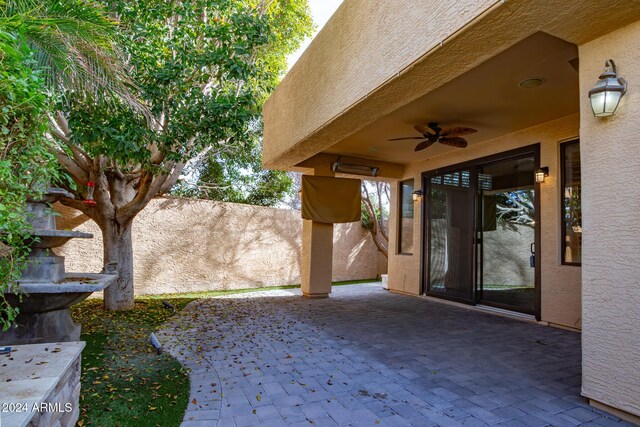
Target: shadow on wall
(506, 256)
(355, 258)
(69, 218)
(192, 245)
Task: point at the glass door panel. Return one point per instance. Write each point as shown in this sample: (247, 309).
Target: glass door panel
(450, 213)
(506, 234)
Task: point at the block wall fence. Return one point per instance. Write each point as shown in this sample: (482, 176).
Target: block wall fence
(185, 245)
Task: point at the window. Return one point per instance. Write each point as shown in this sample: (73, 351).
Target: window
(405, 227)
(571, 203)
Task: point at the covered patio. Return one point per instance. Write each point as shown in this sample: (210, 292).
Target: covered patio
(368, 357)
(510, 186)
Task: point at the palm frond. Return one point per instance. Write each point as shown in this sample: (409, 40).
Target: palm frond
(72, 41)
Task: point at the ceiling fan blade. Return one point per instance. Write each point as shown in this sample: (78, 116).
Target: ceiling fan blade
(425, 130)
(408, 137)
(424, 145)
(458, 131)
(454, 141)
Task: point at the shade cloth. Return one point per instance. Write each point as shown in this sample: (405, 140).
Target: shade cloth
(331, 200)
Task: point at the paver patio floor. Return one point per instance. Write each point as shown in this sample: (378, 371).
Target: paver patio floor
(368, 357)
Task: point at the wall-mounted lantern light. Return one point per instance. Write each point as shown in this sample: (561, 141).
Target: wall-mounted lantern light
(608, 91)
(417, 195)
(541, 174)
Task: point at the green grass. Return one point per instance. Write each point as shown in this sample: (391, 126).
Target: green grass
(212, 294)
(124, 381)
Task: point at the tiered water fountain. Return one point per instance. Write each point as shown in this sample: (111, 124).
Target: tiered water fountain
(47, 290)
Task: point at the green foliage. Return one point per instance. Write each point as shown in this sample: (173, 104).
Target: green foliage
(204, 69)
(72, 41)
(368, 222)
(124, 381)
(25, 162)
(236, 177)
(45, 48)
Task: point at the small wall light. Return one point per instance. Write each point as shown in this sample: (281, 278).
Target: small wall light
(608, 91)
(417, 195)
(541, 174)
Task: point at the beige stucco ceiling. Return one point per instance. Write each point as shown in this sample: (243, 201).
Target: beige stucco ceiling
(487, 98)
(374, 58)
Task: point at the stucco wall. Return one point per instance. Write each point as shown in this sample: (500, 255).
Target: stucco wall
(560, 283)
(611, 245)
(373, 57)
(350, 46)
(192, 245)
(506, 254)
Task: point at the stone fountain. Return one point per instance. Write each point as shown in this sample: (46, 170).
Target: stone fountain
(47, 290)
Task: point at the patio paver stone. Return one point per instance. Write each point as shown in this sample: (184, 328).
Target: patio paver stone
(368, 357)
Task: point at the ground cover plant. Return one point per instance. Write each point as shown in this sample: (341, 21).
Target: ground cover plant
(124, 381)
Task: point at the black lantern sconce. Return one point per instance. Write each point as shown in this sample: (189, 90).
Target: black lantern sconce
(608, 91)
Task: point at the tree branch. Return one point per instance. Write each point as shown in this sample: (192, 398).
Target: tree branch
(172, 179)
(78, 174)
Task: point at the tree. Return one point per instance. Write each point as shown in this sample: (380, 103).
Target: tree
(235, 175)
(43, 46)
(72, 46)
(375, 213)
(204, 69)
(515, 208)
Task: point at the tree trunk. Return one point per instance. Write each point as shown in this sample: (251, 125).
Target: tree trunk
(118, 248)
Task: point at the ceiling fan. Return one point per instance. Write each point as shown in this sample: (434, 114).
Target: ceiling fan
(433, 133)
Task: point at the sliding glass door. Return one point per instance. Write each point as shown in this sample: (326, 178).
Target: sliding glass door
(450, 201)
(506, 234)
(481, 232)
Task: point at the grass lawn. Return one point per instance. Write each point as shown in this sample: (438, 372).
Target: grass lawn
(124, 381)
(211, 294)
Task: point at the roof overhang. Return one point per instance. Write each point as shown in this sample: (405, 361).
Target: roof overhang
(373, 58)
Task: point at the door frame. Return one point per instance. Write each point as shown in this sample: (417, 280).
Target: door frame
(425, 223)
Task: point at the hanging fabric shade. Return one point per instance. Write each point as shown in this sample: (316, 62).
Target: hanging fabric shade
(331, 200)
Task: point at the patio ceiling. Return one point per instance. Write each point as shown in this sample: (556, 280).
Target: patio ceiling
(383, 62)
(487, 98)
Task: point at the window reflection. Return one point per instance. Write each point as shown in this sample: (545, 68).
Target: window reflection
(571, 204)
(405, 245)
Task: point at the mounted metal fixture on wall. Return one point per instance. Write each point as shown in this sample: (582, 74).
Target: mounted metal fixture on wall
(541, 174)
(354, 169)
(417, 195)
(608, 91)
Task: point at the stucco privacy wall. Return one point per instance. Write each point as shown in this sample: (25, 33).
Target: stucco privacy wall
(193, 245)
(560, 283)
(611, 248)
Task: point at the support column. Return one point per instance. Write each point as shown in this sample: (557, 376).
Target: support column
(317, 259)
(316, 268)
(611, 241)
